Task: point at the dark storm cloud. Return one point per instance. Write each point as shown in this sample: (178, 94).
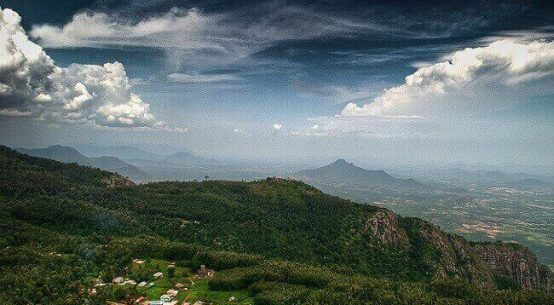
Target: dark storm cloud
(418, 19)
(336, 33)
(310, 35)
(421, 16)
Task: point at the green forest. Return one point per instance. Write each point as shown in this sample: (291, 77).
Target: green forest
(278, 241)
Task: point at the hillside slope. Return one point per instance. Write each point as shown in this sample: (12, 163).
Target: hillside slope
(70, 155)
(49, 206)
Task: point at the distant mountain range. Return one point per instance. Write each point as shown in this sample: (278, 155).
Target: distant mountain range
(137, 164)
(489, 178)
(341, 171)
(124, 152)
(145, 158)
(70, 155)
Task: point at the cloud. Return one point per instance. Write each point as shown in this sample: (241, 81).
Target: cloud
(32, 85)
(314, 131)
(369, 127)
(335, 93)
(470, 81)
(191, 34)
(98, 29)
(201, 78)
(195, 29)
(15, 112)
(277, 126)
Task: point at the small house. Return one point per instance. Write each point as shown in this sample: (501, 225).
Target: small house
(205, 272)
(142, 284)
(158, 275)
(118, 280)
(172, 292)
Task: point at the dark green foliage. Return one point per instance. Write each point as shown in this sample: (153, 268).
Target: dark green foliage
(123, 292)
(61, 228)
(171, 272)
(145, 271)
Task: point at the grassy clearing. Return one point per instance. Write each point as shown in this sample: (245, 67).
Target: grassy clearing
(200, 291)
(197, 289)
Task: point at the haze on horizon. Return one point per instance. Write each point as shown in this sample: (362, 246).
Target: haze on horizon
(391, 83)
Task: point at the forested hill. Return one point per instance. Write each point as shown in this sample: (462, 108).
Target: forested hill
(309, 245)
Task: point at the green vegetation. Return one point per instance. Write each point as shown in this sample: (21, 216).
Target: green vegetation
(476, 210)
(271, 242)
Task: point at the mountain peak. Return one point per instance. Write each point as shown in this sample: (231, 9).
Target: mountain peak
(342, 162)
(342, 171)
(61, 148)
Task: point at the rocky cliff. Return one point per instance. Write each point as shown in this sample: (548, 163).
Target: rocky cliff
(117, 181)
(449, 255)
(384, 225)
(515, 262)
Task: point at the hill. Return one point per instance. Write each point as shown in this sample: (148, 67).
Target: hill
(105, 162)
(281, 241)
(70, 155)
(123, 152)
(341, 171)
(531, 183)
(60, 153)
(132, 172)
(188, 158)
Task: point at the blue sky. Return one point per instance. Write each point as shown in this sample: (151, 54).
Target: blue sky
(383, 83)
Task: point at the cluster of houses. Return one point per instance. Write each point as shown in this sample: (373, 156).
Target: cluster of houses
(169, 298)
(166, 299)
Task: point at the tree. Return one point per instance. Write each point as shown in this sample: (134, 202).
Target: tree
(170, 271)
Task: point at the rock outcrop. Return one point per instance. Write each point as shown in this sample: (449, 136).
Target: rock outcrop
(385, 227)
(117, 181)
(449, 255)
(515, 262)
(452, 256)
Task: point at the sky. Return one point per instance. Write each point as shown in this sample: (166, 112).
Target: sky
(381, 83)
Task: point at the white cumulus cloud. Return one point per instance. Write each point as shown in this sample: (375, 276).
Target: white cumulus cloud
(473, 80)
(32, 85)
(277, 126)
